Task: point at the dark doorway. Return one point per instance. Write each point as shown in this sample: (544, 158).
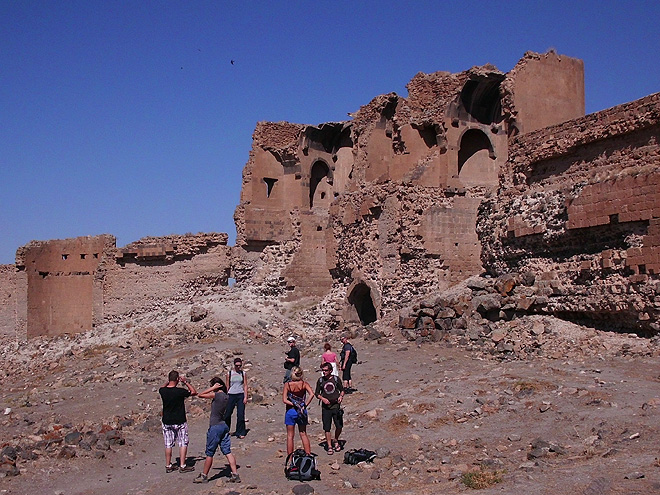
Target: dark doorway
(472, 142)
(360, 298)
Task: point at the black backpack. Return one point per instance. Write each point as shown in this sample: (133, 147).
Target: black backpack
(301, 466)
(359, 455)
(353, 356)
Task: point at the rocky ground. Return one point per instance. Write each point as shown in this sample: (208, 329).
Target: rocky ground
(80, 414)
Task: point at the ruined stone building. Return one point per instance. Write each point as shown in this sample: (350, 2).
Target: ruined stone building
(70, 285)
(480, 172)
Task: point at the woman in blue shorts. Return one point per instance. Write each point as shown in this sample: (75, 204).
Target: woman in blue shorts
(297, 395)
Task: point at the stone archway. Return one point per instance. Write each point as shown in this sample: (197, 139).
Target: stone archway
(360, 298)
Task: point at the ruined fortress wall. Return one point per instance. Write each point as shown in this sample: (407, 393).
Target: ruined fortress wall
(580, 202)
(62, 275)
(152, 270)
(13, 300)
(547, 89)
(71, 285)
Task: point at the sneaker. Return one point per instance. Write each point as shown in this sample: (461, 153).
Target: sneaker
(170, 468)
(234, 478)
(186, 469)
(201, 478)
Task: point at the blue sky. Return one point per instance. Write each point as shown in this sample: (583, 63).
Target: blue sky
(128, 118)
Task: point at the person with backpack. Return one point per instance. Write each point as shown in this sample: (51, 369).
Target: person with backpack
(297, 395)
(348, 356)
(330, 391)
(238, 395)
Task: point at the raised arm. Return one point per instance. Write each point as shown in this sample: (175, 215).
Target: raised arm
(188, 385)
(209, 393)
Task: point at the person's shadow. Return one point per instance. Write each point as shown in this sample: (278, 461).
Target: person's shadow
(324, 445)
(222, 472)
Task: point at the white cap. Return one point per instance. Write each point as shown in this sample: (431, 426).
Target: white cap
(291, 339)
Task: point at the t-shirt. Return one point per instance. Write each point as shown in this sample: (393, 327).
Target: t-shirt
(329, 388)
(218, 406)
(295, 354)
(174, 409)
(346, 348)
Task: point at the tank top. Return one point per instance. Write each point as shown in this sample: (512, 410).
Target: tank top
(235, 382)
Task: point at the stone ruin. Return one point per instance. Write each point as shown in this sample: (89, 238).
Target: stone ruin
(480, 173)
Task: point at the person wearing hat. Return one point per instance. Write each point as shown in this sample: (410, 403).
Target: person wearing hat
(292, 358)
(237, 395)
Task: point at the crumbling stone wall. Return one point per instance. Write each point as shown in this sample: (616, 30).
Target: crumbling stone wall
(386, 204)
(154, 270)
(70, 285)
(13, 300)
(579, 207)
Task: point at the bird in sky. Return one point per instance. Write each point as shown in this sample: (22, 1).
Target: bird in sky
(232, 62)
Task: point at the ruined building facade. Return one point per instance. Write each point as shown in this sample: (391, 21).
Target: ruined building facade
(480, 172)
(384, 207)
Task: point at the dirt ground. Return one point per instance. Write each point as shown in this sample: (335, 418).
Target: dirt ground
(442, 416)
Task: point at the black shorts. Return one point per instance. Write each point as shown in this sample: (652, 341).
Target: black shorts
(328, 416)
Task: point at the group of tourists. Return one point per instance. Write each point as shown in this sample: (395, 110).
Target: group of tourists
(297, 394)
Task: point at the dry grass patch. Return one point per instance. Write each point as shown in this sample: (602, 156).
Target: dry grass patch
(398, 422)
(423, 408)
(478, 480)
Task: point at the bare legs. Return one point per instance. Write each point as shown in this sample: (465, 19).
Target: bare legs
(182, 455)
(290, 434)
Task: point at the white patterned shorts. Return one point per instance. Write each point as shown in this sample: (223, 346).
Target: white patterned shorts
(175, 435)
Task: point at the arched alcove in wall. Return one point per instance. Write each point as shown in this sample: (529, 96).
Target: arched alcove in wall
(476, 159)
(360, 298)
(319, 172)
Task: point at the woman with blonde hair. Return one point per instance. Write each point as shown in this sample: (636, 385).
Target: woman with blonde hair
(297, 395)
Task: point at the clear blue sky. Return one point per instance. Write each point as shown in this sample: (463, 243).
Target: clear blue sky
(128, 118)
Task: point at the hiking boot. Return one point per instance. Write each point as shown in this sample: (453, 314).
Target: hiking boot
(234, 478)
(170, 468)
(186, 469)
(201, 478)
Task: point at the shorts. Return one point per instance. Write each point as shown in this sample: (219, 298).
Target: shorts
(328, 416)
(346, 374)
(175, 435)
(292, 418)
(218, 435)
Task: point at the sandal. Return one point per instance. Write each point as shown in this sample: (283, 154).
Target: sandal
(337, 447)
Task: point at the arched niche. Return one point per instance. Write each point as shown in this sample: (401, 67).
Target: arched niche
(477, 163)
(319, 184)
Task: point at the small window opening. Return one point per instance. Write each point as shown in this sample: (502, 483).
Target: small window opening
(642, 269)
(96, 255)
(319, 228)
(322, 195)
(614, 219)
(43, 274)
(270, 183)
(83, 256)
(65, 256)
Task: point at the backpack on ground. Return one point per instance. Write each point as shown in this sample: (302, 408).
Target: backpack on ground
(301, 466)
(354, 456)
